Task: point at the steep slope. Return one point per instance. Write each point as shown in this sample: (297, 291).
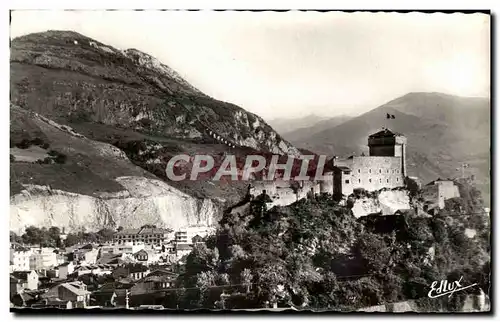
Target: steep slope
(443, 132)
(74, 182)
(297, 135)
(71, 78)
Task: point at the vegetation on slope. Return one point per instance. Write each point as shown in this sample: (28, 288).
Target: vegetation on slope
(315, 255)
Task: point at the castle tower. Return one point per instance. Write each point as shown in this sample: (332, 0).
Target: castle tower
(386, 143)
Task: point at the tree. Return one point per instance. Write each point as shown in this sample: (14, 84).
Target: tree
(32, 235)
(374, 251)
(14, 238)
(106, 234)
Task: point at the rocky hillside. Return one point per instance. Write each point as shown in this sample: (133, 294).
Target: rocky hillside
(71, 78)
(443, 132)
(92, 128)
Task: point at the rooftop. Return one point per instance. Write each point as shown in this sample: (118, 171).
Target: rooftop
(142, 231)
(385, 133)
(21, 275)
(73, 288)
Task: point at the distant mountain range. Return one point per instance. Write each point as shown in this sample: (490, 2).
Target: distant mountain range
(297, 136)
(443, 132)
(286, 125)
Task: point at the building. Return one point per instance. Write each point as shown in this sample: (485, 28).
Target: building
(121, 248)
(66, 269)
(20, 258)
(26, 298)
(435, 193)
(43, 258)
(182, 250)
(90, 257)
(74, 292)
(147, 234)
(132, 271)
(385, 167)
(98, 269)
(147, 257)
(23, 280)
(186, 235)
(153, 282)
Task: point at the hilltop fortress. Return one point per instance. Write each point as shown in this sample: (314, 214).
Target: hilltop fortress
(385, 167)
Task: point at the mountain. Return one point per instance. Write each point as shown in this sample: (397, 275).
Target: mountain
(286, 125)
(298, 134)
(443, 132)
(92, 129)
(71, 78)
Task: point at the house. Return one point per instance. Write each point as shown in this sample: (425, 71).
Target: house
(132, 271)
(66, 269)
(23, 280)
(75, 292)
(113, 293)
(79, 253)
(197, 240)
(147, 257)
(156, 280)
(26, 298)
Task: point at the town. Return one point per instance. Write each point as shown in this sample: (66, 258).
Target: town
(134, 268)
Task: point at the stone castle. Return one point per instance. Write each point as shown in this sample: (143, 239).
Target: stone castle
(385, 167)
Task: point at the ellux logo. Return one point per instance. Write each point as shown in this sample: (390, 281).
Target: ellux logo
(446, 288)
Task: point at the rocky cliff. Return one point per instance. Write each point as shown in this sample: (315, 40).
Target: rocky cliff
(94, 186)
(387, 202)
(144, 201)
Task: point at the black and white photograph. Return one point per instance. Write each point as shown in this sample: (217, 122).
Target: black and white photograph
(272, 161)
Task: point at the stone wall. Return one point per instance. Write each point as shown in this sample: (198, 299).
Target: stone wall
(375, 173)
(282, 193)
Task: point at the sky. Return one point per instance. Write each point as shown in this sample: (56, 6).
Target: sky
(293, 64)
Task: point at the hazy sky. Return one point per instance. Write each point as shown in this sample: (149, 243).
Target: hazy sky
(296, 63)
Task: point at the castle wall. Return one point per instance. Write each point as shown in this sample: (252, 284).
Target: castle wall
(374, 173)
(281, 192)
(446, 190)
